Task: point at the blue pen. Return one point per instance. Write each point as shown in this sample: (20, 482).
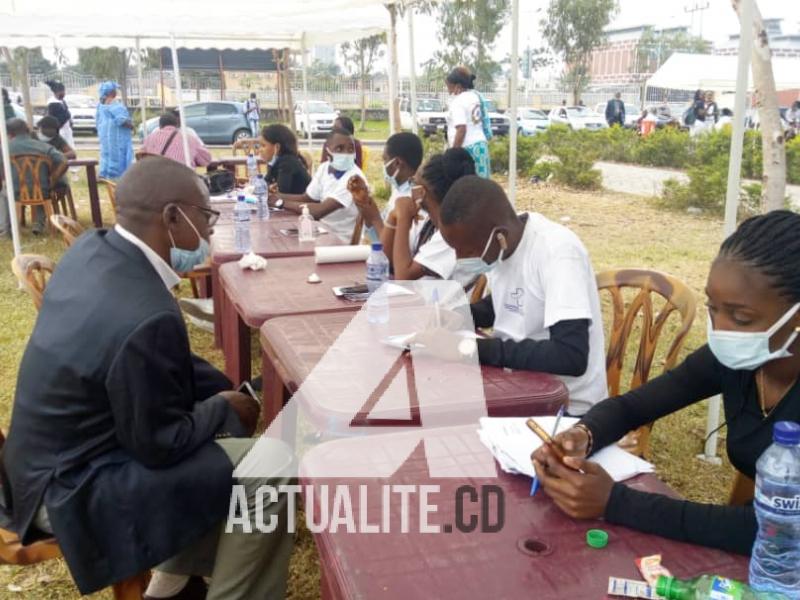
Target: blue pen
(535, 482)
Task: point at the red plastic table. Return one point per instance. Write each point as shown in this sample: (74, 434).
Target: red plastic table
(249, 298)
(90, 165)
(538, 553)
(266, 240)
(293, 346)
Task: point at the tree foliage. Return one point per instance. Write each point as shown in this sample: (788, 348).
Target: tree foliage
(655, 47)
(574, 28)
(37, 64)
(468, 30)
(360, 57)
(107, 63)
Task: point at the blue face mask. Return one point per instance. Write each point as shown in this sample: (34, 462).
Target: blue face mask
(183, 261)
(749, 350)
(343, 162)
(389, 179)
(475, 266)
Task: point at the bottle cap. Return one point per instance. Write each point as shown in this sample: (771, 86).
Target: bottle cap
(240, 198)
(786, 433)
(664, 586)
(377, 247)
(304, 210)
(597, 538)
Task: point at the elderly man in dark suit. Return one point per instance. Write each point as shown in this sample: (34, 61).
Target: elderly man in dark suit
(122, 443)
(615, 111)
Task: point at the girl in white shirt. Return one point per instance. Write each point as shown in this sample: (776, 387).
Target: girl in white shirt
(467, 120)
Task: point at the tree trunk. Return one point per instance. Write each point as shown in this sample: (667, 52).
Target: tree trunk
(394, 79)
(279, 85)
(773, 193)
(124, 57)
(18, 68)
(362, 85)
(287, 87)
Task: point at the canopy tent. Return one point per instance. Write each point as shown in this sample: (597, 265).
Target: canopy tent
(717, 73)
(182, 23)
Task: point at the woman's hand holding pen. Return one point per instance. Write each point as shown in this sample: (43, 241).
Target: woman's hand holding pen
(581, 495)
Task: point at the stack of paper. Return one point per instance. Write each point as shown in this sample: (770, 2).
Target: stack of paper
(512, 444)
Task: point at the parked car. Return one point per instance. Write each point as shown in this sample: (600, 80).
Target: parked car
(214, 122)
(531, 121)
(19, 113)
(321, 115)
(501, 124)
(431, 115)
(83, 110)
(632, 112)
(577, 117)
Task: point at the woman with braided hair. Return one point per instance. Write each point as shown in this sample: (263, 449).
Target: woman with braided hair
(752, 358)
(58, 109)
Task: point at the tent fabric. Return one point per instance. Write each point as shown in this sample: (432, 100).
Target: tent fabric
(708, 71)
(244, 25)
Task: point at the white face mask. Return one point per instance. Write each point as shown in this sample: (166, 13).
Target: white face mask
(749, 350)
(475, 266)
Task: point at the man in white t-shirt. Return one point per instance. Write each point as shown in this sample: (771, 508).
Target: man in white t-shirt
(544, 305)
(327, 196)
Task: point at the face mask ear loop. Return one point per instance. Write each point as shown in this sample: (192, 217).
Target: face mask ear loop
(188, 220)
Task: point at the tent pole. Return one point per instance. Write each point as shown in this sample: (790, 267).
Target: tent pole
(305, 89)
(734, 179)
(12, 205)
(413, 81)
(512, 148)
(142, 95)
(179, 92)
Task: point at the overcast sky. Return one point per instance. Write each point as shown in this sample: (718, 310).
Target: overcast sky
(718, 22)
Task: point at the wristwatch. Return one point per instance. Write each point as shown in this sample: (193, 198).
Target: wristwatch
(279, 203)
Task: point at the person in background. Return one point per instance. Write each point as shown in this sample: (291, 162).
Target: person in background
(752, 358)
(122, 442)
(431, 257)
(327, 197)
(166, 141)
(544, 307)
(712, 111)
(793, 117)
(402, 156)
(8, 108)
(615, 111)
(697, 114)
(726, 118)
(346, 123)
(57, 108)
(467, 119)
(113, 132)
(287, 170)
(253, 113)
(22, 142)
(49, 132)
(649, 121)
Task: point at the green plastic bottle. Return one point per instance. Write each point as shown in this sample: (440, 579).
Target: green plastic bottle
(710, 587)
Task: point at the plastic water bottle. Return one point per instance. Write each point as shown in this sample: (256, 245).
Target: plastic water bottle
(709, 587)
(305, 226)
(241, 225)
(252, 168)
(377, 275)
(260, 191)
(775, 560)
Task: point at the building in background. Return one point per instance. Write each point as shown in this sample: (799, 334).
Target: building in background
(784, 41)
(324, 54)
(622, 60)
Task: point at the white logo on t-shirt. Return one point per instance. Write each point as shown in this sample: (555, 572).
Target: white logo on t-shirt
(515, 305)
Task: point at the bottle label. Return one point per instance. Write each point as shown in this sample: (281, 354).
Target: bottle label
(723, 588)
(784, 504)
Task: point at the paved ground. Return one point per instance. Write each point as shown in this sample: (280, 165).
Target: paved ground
(648, 181)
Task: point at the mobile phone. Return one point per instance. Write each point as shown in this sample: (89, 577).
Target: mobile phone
(247, 389)
(355, 289)
(545, 437)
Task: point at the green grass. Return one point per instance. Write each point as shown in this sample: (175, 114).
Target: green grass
(619, 231)
(373, 130)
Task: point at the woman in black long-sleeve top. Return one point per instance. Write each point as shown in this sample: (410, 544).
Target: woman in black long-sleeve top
(287, 169)
(753, 286)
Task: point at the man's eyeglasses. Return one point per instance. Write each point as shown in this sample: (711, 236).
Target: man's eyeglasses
(211, 215)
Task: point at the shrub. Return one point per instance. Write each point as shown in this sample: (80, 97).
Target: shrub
(529, 150)
(617, 144)
(577, 152)
(666, 147)
(793, 161)
(705, 190)
(752, 157)
(433, 144)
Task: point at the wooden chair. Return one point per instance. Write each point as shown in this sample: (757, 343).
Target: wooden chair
(111, 191)
(245, 147)
(64, 203)
(478, 289)
(69, 228)
(33, 272)
(678, 298)
(30, 168)
(742, 491)
(355, 239)
(13, 552)
(364, 156)
(196, 276)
